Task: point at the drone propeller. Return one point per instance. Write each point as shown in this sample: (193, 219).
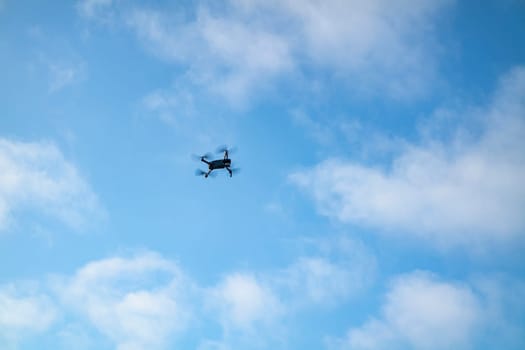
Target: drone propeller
(200, 172)
(205, 156)
(224, 148)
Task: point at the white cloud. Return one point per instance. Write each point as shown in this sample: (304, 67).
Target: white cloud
(36, 176)
(243, 302)
(239, 48)
(421, 312)
(467, 192)
(24, 313)
(146, 301)
(228, 56)
(255, 307)
(138, 303)
(32, 312)
(375, 44)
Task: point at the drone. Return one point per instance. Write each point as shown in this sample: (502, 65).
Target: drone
(222, 163)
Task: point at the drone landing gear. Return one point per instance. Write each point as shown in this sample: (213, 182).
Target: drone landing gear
(229, 171)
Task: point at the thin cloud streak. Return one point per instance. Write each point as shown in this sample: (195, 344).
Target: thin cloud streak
(62, 75)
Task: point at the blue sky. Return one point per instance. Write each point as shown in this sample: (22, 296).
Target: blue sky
(380, 202)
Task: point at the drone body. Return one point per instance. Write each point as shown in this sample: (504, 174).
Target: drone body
(223, 163)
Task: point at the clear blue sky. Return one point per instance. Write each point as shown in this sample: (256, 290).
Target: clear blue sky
(380, 203)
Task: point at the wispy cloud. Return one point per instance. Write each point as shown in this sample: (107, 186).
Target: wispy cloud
(228, 57)
(339, 270)
(36, 176)
(244, 47)
(174, 107)
(93, 8)
(57, 59)
(64, 74)
(375, 45)
(465, 192)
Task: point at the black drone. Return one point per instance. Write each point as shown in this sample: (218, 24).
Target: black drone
(223, 163)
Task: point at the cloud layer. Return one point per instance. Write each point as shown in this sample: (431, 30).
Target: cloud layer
(467, 190)
(147, 301)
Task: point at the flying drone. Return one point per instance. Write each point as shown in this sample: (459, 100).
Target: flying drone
(222, 163)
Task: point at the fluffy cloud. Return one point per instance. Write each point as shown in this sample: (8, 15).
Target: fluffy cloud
(138, 302)
(146, 301)
(36, 176)
(253, 308)
(244, 302)
(468, 191)
(421, 312)
(33, 312)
